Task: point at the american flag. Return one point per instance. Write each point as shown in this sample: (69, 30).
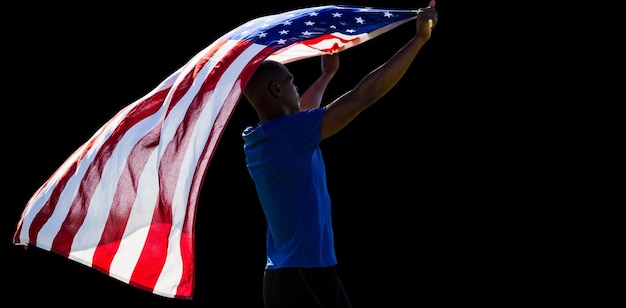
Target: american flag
(124, 202)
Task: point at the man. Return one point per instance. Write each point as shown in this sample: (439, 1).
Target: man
(285, 162)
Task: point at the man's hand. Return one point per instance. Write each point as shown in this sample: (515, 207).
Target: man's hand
(426, 21)
(330, 64)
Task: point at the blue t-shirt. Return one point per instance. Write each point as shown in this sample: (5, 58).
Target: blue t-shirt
(285, 162)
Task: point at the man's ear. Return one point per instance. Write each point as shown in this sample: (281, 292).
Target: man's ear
(274, 89)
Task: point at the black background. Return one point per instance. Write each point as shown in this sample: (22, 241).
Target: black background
(430, 186)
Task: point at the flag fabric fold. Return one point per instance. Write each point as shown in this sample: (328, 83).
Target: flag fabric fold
(124, 202)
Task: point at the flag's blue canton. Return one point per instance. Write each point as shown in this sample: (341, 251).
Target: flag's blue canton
(305, 24)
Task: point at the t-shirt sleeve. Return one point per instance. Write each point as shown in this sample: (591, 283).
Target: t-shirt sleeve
(303, 129)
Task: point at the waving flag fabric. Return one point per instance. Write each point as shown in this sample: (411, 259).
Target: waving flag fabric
(124, 203)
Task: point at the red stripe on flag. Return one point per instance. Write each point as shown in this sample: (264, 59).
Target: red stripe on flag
(153, 257)
(126, 189)
(63, 240)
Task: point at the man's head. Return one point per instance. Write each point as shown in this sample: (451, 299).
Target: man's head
(271, 91)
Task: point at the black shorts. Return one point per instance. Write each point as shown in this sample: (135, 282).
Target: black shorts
(304, 288)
